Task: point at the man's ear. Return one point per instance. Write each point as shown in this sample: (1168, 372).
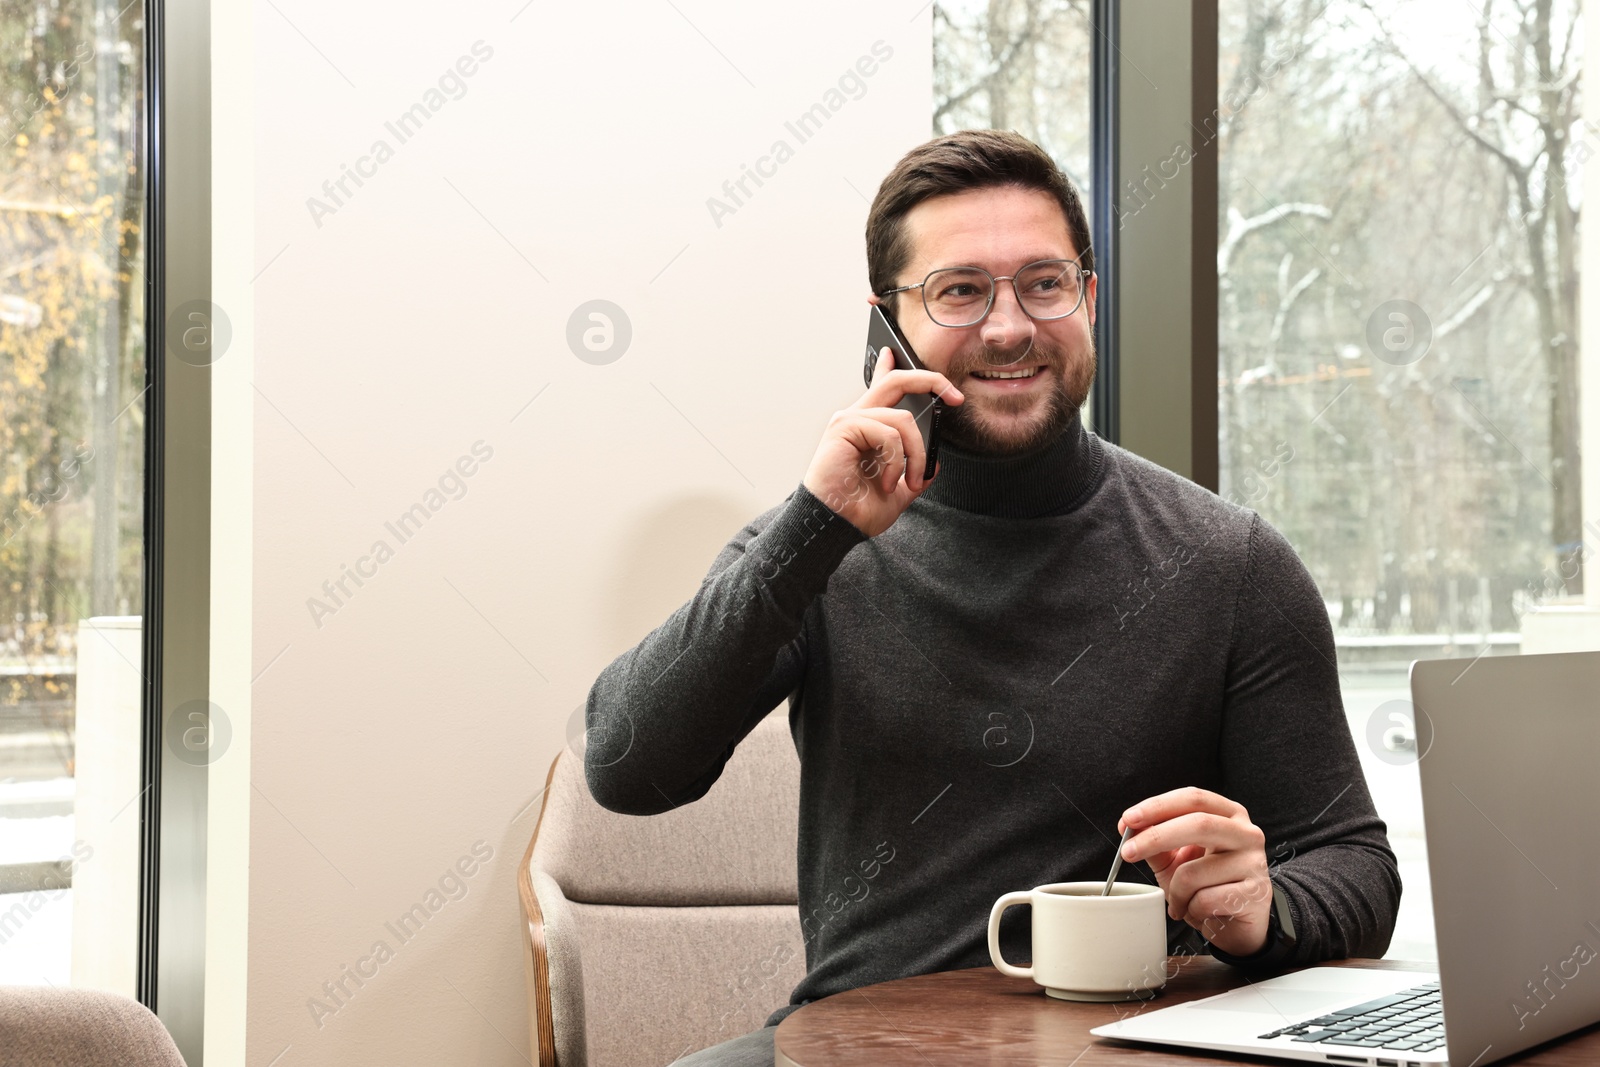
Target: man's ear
(1089, 295)
(874, 298)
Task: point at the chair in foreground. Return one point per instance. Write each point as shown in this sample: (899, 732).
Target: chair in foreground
(46, 1026)
(649, 938)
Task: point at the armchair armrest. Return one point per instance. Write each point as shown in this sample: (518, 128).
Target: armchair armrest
(551, 962)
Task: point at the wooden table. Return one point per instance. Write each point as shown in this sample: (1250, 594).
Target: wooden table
(980, 1016)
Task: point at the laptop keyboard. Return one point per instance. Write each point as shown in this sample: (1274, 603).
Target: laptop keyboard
(1409, 1021)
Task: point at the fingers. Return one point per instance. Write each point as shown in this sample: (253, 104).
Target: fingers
(912, 446)
(1195, 828)
(1211, 861)
(1177, 802)
(889, 443)
(879, 445)
(889, 384)
(1244, 874)
(1165, 864)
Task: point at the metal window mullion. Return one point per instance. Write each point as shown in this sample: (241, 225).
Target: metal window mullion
(176, 619)
(1104, 73)
(1155, 200)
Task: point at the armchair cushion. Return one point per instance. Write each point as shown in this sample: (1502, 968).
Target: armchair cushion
(713, 972)
(735, 845)
(54, 1027)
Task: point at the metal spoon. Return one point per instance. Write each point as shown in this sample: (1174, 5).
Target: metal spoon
(1116, 864)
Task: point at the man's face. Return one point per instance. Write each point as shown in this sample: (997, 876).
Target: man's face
(999, 229)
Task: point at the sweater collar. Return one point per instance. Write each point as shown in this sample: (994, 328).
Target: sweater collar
(1050, 480)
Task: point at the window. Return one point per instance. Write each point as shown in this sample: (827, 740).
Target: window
(1398, 346)
(72, 440)
(1016, 65)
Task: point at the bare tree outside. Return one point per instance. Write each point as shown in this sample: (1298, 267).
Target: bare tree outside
(1399, 284)
(72, 435)
(1016, 65)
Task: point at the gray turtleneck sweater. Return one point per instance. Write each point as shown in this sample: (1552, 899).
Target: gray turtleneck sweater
(980, 691)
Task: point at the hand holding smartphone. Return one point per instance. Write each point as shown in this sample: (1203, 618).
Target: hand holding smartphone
(892, 430)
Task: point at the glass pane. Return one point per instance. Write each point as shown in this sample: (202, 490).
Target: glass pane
(1016, 65)
(72, 377)
(1398, 270)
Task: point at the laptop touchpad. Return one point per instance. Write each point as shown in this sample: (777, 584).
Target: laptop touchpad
(1288, 1003)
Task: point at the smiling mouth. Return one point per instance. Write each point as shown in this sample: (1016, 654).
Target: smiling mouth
(1008, 375)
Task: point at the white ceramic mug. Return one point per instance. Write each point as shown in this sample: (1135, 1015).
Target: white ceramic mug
(1091, 947)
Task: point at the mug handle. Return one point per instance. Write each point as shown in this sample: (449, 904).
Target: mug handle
(994, 935)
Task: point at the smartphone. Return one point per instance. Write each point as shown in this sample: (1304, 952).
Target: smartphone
(925, 408)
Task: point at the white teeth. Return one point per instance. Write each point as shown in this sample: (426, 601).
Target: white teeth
(1029, 373)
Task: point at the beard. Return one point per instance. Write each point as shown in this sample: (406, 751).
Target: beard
(990, 425)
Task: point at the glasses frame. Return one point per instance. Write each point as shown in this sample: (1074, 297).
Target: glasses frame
(1084, 274)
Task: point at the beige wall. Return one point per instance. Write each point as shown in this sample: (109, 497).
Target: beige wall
(382, 743)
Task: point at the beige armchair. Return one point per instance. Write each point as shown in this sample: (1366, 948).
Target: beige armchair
(650, 938)
(53, 1027)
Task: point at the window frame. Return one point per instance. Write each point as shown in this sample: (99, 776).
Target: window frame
(1168, 410)
(176, 550)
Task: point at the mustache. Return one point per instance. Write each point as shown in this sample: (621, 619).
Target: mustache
(986, 358)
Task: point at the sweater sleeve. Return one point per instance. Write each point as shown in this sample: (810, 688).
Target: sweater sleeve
(665, 716)
(1288, 757)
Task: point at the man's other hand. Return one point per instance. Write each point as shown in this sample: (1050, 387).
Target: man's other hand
(1210, 860)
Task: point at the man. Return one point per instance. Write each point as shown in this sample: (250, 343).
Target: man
(992, 673)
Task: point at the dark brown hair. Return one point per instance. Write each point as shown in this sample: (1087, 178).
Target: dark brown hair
(955, 163)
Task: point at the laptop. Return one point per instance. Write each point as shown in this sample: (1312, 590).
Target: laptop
(1509, 757)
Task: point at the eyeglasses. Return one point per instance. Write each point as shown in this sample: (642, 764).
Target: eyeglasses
(962, 296)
